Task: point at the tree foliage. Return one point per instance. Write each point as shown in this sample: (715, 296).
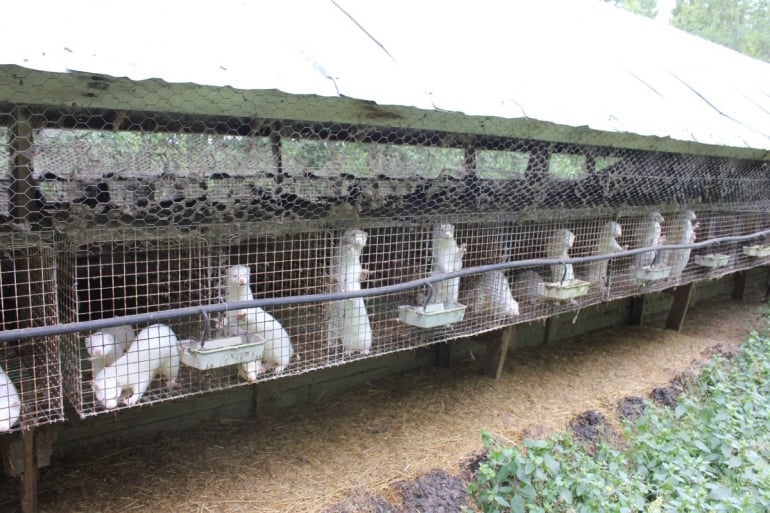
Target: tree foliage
(647, 8)
(743, 25)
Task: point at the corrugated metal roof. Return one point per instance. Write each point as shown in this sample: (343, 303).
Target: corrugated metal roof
(568, 63)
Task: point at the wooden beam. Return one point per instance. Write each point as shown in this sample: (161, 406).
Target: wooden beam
(496, 352)
(29, 478)
(636, 314)
(676, 315)
(739, 285)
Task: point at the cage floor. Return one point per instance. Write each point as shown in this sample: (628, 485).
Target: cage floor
(366, 441)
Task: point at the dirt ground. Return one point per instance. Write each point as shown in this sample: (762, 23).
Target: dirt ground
(403, 444)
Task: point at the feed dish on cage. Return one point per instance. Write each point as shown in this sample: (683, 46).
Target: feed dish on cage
(756, 250)
(221, 352)
(564, 290)
(653, 272)
(432, 315)
(712, 260)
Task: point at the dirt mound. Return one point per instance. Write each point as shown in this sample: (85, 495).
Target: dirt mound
(631, 408)
(592, 427)
(665, 396)
(362, 502)
(437, 491)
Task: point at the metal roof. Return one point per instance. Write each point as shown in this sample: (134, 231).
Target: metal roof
(563, 70)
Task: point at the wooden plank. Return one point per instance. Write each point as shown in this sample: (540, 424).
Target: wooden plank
(29, 479)
(739, 285)
(636, 313)
(676, 315)
(496, 352)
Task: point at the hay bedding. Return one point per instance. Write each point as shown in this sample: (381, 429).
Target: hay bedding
(388, 447)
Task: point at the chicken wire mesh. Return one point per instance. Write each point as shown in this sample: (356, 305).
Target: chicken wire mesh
(30, 386)
(156, 210)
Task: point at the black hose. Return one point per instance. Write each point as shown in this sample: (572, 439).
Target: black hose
(153, 317)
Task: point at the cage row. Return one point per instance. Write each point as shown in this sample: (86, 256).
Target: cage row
(225, 264)
(104, 274)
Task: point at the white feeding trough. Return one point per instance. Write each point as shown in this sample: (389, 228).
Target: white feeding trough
(563, 290)
(712, 260)
(221, 352)
(430, 315)
(757, 250)
(652, 273)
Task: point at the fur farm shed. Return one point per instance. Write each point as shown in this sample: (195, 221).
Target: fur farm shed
(378, 178)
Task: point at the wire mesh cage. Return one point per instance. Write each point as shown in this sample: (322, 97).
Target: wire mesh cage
(30, 384)
(109, 273)
(157, 210)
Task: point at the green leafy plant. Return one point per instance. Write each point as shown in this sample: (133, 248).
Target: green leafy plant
(710, 453)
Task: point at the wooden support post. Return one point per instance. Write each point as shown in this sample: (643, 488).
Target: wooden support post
(767, 283)
(29, 478)
(739, 285)
(496, 352)
(636, 315)
(676, 315)
(548, 330)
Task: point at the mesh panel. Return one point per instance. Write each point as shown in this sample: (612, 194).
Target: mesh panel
(112, 273)
(30, 386)
(152, 211)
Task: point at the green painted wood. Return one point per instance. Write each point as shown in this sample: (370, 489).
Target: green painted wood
(85, 90)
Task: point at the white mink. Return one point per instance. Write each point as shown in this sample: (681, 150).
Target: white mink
(348, 319)
(107, 345)
(238, 289)
(529, 285)
(607, 244)
(349, 323)
(494, 292)
(651, 236)
(558, 246)
(346, 268)
(10, 403)
(154, 352)
(684, 234)
(447, 257)
(278, 350)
